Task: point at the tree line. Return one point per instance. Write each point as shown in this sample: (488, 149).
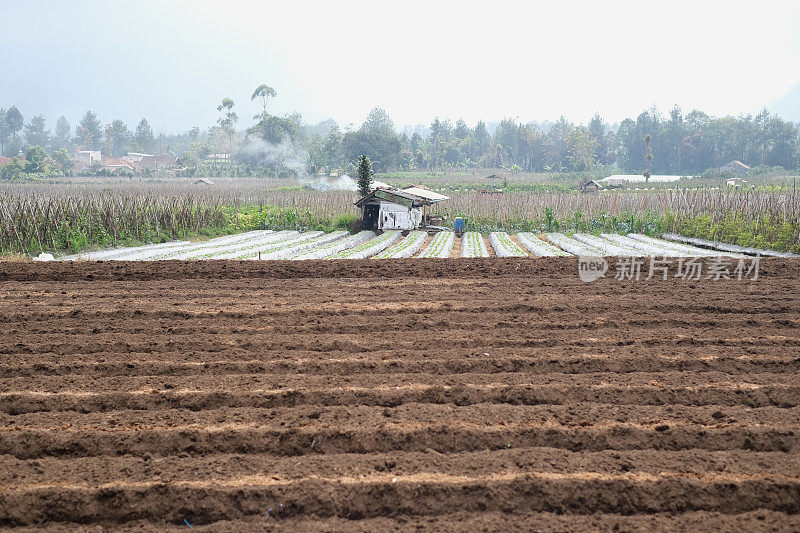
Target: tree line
(675, 144)
(281, 145)
(113, 139)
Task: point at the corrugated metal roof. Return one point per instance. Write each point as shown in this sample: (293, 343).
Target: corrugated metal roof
(415, 196)
(393, 195)
(426, 193)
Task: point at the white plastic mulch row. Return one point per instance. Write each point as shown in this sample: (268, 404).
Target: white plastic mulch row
(248, 249)
(473, 245)
(370, 247)
(607, 247)
(273, 247)
(573, 246)
(326, 250)
(504, 246)
(217, 250)
(113, 253)
(290, 244)
(218, 243)
(146, 252)
(441, 245)
(188, 251)
(692, 251)
(407, 247)
(301, 246)
(167, 249)
(643, 247)
(538, 247)
(208, 249)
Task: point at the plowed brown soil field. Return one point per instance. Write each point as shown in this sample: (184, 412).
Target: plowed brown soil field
(449, 395)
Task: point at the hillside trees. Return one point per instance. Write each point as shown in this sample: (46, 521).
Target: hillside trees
(597, 130)
(144, 138)
(4, 131)
(376, 138)
(263, 92)
(88, 135)
(61, 139)
(36, 133)
(684, 143)
(227, 120)
(118, 139)
(13, 125)
(581, 149)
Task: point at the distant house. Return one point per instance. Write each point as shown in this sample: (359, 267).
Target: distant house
(735, 167)
(116, 165)
(135, 157)
(86, 158)
(590, 187)
(163, 161)
(204, 181)
(141, 161)
(734, 182)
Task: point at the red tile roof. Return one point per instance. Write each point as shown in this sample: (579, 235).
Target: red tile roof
(115, 162)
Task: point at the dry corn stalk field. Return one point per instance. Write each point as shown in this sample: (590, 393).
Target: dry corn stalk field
(33, 216)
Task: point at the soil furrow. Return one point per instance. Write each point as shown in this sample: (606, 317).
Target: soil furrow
(479, 415)
(440, 437)
(698, 464)
(489, 520)
(431, 495)
(140, 364)
(85, 402)
(374, 381)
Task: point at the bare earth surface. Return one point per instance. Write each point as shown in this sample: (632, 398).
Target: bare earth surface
(456, 395)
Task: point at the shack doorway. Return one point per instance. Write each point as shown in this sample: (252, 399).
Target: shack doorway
(370, 218)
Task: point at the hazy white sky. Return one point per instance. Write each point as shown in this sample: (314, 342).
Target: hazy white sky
(173, 61)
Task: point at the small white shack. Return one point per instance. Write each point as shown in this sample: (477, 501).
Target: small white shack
(401, 209)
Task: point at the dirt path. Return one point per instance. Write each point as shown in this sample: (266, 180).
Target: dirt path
(489, 247)
(427, 242)
(400, 395)
(456, 251)
(515, 240)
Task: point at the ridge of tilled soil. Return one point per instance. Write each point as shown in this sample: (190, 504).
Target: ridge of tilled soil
(458, 522)
(454, 268)
(497, 394)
